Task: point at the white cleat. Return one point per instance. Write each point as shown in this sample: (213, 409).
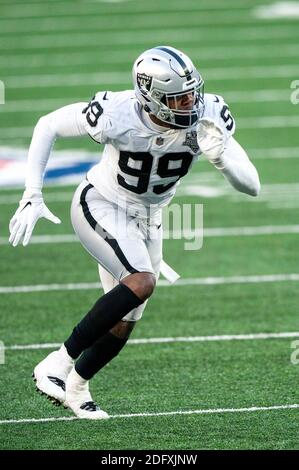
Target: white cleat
(50, 376)
(79, 400)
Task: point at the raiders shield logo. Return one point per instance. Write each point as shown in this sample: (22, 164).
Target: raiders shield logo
(191, 141)
(144, 81)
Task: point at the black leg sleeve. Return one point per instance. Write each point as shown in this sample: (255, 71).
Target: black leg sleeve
(98, 355)
(106, 312)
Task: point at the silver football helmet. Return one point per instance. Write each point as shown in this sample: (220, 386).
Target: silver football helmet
(168, 85)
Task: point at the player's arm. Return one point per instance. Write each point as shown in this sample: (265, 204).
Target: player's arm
(228, 156)
(238, 169)
(65, 122)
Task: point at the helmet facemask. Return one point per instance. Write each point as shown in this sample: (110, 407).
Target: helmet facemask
(182, 109)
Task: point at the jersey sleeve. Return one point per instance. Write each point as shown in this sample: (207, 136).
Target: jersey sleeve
(222, 116)
(96, 119)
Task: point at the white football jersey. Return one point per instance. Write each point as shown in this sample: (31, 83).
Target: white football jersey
(142, 163)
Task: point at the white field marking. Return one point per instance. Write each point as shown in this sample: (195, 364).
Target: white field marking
(128, 38)
(72, 26)
(246, 4)
(28, 106)
(266, 122)
(210, 185)
(118, 78)
(52, 197)
(177, 339)
(164, 413)
(272, 193)
(9, 152)
(123, 57)
(277, 10)
(153, 13)
(294, 204)
(179, 234)
(206, 281)
(16, 141)
(45, 239)
(275, 196)
(152, 20)
(233, 231)
(275, 152)
(234, 4)
(18, 153)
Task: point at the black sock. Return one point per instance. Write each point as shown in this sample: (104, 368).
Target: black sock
(106, 312)
(98, 355)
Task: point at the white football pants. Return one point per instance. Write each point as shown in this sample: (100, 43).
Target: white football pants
(120, 243)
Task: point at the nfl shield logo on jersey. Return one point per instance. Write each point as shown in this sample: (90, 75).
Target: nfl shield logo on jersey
(159, 141)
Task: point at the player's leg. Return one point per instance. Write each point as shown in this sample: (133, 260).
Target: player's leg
(123, 259)
(108, 346)
(104, 231)
(94, 358)
(125, 256)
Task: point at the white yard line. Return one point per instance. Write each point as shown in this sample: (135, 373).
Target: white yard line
(178, 339)
(57, 59)
(109, 39)
(91, 7)
(277, 10)
(51, 197)
(257, 96)
(44, 239)
(204, 5)
(123, 77)
(154, 14)
(162, 413)
(21, 153)
(274, 152)
(206, 281)
(266, 122)
(179, 234)
(75, 23)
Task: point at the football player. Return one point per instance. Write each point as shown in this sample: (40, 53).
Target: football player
(152, 135)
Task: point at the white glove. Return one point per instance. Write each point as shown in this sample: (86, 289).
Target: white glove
(210, 139)
(31, 208)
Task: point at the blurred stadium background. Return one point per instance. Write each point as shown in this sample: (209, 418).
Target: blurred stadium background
(244, 281)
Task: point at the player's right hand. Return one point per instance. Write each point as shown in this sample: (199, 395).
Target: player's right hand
(210, 139)
(31, 208)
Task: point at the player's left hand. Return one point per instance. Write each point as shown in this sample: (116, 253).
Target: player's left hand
(31, 208)
(210, 139)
